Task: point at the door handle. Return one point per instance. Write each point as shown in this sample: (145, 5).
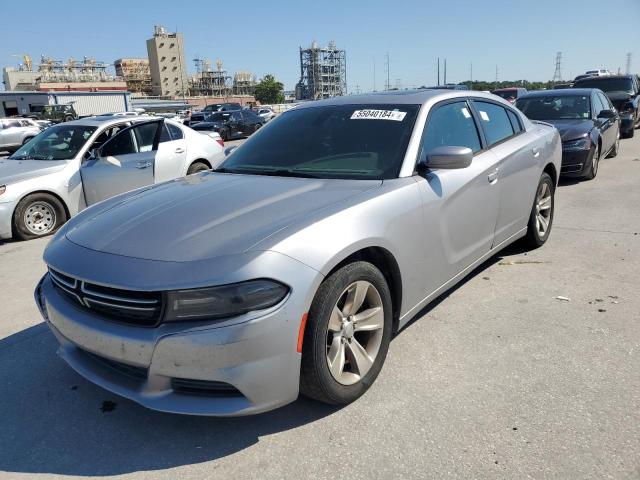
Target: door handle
(143, 165)
(179, 150)
(535, 151)
(493, 176)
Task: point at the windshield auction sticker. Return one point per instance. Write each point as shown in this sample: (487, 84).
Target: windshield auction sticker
(378, 115)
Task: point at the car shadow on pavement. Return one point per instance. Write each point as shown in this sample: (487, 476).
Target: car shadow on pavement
(516, 248)
(53, 421)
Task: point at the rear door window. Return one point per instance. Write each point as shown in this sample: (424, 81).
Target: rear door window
(495, 122)
(515, 121)
(176, 132)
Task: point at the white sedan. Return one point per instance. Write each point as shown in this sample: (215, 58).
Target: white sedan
(75, 164)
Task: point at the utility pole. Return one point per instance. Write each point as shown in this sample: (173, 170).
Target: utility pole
(438, 71)
(557, 74)
(374, 74)
(445, 71)
(496, 76)
(388, 86)
(471, 72)
(628, 70)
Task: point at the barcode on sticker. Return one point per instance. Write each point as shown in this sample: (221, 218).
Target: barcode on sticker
(378, 115)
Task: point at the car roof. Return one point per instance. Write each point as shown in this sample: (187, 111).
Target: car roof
(399, 97)
(604, 78)
(555, 92)
(100, 121)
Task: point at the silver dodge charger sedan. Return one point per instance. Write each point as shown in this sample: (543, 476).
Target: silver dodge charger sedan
(288, 268)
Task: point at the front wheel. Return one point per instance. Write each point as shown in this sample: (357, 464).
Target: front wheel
(595, 162)
(196, 167)
(541, 217)
(347, 335)
(38, 215)
(616, 146)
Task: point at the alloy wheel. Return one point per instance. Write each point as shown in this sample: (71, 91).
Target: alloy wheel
(354, 333)
(543, 209)
(40, 218)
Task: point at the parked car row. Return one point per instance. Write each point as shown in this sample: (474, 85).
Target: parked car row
(288, 267)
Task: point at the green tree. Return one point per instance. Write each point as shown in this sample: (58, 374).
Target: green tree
(269, 90)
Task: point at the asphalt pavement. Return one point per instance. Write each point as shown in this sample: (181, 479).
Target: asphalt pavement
(529, 369)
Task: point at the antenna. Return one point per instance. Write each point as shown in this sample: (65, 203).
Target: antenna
(557, 75)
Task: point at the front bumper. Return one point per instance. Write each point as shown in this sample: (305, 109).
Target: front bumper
(6, 214)
(576, 164)
(255, 357)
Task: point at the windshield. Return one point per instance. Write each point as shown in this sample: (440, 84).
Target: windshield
(335, 141)
(556, 107)
(61, 142)
(608, 84)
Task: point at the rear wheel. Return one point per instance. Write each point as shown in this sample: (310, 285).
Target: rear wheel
(38, 215)
(26, 140)
(347, 334)
(196, 167)
(595, 162)
(256, 127)
(541, 217)
(68, 118)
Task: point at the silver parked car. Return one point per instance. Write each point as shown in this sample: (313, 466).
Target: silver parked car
(74, 164)
(288, 268)
(15, 132)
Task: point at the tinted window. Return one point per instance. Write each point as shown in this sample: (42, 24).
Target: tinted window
(607, 84)
(598, 106)
(515, 121)
(359, 141)
(250, 116)
(494, 121)
(164, 135)
(236, 117)
(145, 135)
(555, 107)
(176, 132)
(450, 125)
(120, 145)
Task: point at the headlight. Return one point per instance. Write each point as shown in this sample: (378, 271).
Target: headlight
(3, 189)
(576, 145)
(223, 301)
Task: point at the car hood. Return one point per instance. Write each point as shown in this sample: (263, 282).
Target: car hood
(206, 215)
(13, 171)
(572, 129)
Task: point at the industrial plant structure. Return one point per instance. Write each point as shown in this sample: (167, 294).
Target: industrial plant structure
(136, 73)
(208, 82)
(58, 75)
(323, 72)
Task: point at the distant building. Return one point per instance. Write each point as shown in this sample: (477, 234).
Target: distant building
(323, 72)
(167, 63)
(135, 72)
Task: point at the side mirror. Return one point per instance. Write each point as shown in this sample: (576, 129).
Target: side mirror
(448, 157)
(229, 150)
(607, 114)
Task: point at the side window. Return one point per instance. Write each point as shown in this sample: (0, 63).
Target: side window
(515, 121)
(145, 135)
(494, 121)
(164, 135)
(450, 125)
(176, 132)
(597, 105)
(120, 145)
(606, 103)
(236, 117)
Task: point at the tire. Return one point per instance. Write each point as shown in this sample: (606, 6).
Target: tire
(595, 162)
(24, 142)
(534, 237)
(256, 127)
(38, 215)
(616, 147)
(68, 118)
(347, 384)
(196, 167)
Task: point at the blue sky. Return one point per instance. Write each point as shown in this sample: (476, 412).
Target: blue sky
(520, 37)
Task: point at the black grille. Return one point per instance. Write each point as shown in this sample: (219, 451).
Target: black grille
(137, 373)
(204, 387)
(125, 306)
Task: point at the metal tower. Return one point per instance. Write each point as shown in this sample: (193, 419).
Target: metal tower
(323, 72)
(557, 75)
(628, 71)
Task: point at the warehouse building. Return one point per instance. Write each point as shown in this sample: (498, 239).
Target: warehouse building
(85, 103)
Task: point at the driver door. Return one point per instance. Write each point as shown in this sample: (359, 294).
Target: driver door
(125, 162)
